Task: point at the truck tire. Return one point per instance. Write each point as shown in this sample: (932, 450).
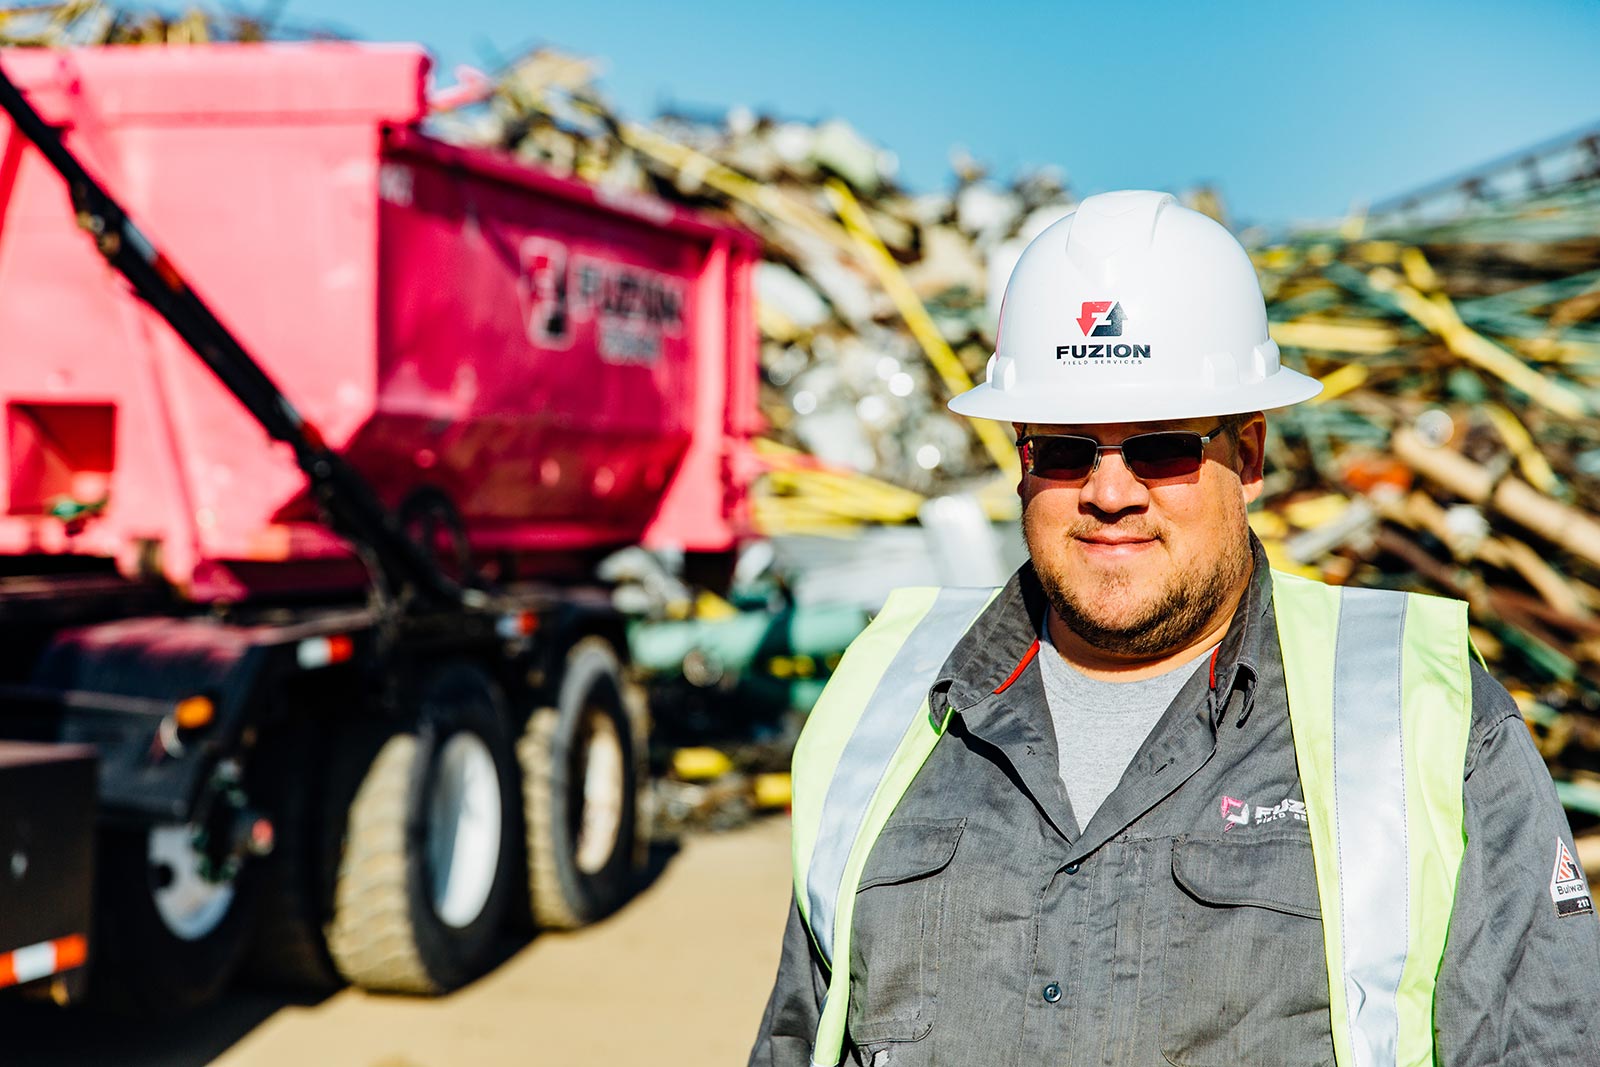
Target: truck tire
(427, 873)
(580, 785)
(166, 939)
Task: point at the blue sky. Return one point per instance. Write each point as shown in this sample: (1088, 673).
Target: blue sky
(1294, 111)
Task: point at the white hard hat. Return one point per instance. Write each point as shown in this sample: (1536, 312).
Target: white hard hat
(1133, 309)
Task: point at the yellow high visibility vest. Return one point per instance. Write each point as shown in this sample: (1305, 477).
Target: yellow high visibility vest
(1380, 699)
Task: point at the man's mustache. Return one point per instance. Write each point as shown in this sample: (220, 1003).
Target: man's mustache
(1087, 527)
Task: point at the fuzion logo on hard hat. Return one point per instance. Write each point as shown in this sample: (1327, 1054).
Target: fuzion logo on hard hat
(1108, 315)
(1102, 318)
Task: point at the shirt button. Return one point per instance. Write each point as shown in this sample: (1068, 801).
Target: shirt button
(1071, 868)
(1052, 992)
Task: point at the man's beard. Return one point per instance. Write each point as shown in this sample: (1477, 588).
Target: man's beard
(1180, 614)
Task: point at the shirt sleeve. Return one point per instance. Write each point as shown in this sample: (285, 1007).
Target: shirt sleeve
(1519, 985)
(789, 1024)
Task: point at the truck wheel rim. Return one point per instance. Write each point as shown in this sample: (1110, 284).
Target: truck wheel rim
(190, 905)
(602, 775)
(463, 846)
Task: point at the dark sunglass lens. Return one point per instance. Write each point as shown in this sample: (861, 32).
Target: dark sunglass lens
(1062, 457)
(1170, 454)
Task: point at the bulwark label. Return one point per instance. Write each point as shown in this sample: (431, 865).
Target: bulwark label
(1568, 888)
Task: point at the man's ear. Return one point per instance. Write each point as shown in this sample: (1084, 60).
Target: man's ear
(1252, 453)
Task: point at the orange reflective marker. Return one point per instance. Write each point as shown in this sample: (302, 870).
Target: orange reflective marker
(194, 712)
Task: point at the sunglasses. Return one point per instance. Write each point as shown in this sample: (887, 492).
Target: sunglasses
(1151, 457)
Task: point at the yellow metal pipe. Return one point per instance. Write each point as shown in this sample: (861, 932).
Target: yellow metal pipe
(1336, 337)
(1530, 460)
(1439, 317)
(1334, 385)
(999, 443)
(726, 180)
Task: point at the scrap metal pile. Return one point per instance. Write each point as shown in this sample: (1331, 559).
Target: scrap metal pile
(81, 23)
(1456, 448)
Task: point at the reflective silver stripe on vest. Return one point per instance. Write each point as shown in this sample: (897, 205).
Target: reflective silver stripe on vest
(1370, 812)
(895, 704)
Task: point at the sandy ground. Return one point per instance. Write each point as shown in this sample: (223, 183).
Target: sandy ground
(678, 977)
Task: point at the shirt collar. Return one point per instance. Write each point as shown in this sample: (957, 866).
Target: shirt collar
(1003, 638)
(992, 648)
(1237, 664)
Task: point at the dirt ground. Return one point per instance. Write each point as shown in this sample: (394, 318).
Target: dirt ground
(678, 977)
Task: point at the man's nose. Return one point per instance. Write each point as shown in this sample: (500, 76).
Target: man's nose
(1111, 486)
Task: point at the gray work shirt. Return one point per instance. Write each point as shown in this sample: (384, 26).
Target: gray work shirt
(1181, 925)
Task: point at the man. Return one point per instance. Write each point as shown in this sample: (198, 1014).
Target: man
(1068, 822)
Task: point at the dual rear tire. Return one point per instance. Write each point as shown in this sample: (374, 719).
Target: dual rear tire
(581, 772)
(446, 834)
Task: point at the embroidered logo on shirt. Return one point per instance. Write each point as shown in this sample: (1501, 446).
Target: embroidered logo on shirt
(1568, 888)
(1283, 809)
(1236, 812)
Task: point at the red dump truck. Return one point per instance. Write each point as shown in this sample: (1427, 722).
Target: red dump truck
(312, 443)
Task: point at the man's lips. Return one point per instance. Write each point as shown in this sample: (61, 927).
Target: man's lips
(1115, 547)
(1106, 539)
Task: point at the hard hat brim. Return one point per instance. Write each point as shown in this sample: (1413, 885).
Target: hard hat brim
(1084, 405)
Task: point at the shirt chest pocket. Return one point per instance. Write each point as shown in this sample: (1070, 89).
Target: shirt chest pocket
(1244, 971)
(895, 932)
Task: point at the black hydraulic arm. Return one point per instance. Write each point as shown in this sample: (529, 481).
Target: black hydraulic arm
(346, 497)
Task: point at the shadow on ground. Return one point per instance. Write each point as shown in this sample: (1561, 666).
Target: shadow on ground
(37, 1034)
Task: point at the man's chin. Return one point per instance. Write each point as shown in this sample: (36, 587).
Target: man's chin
(1124, 633)
(1113, 617)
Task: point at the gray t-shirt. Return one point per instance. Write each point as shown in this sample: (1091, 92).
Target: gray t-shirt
(1100, 725)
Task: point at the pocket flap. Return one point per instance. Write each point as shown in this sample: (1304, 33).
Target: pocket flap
(909, 851)
(1277, 874)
